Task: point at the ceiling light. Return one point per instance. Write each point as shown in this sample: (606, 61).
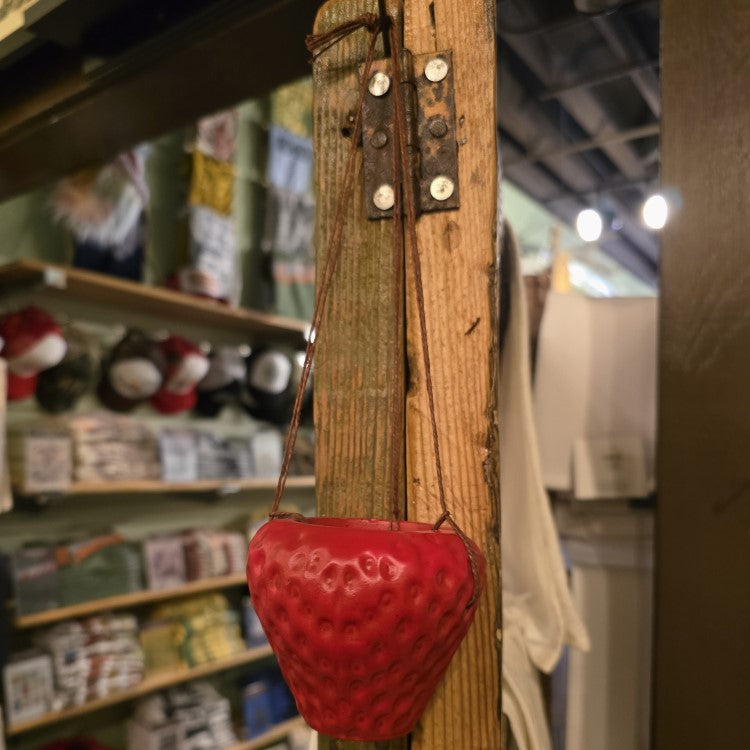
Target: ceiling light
(589, 225)
(656, 211)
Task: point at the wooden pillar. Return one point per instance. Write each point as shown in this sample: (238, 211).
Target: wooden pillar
(702, 605)
(459, 265)
(354, 382)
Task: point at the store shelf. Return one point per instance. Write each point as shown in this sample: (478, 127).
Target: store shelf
(151, 684)
(91, 287)
(274, 734)
(128, 600)
(223, 486)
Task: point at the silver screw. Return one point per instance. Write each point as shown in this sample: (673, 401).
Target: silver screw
(379, 84)
(441, 188)
(383, 198)
(436, 69)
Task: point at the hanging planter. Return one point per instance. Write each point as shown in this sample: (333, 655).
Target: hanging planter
(364, 616)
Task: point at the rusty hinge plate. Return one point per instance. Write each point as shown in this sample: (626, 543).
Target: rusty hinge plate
(431, 133)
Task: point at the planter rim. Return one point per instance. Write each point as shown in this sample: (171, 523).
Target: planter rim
(369, 524)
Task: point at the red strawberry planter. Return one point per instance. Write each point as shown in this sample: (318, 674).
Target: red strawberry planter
(363, 618)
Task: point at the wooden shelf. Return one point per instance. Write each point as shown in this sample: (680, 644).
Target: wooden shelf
(224, 486)
(275, 733)
(124, 601)
(101, 289)
(151, 684)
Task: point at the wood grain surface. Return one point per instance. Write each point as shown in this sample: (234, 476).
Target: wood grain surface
(354, 380)
(702, 664)
(459, 265)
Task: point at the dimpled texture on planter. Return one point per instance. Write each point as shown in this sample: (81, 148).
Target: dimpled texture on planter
(363, 619)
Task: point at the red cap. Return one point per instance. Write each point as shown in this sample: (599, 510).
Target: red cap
(32, 342)
(187, 365)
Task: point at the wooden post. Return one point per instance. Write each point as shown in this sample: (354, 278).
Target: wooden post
(354, 382)
(702, 607)
(459, 266)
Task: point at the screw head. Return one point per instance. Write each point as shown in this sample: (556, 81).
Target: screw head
(379, 139)
(383, 197)
(438, 127)
(441, 188)
(379, 84)
(436, 69)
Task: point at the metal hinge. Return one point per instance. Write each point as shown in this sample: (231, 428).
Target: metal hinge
(431, 133)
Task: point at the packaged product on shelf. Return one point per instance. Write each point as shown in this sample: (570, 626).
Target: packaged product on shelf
(108, 447)
(165, 562)
(256, 708)
(254, 633)
(35, 579)
(178, 451)
(267, 453)
(93, 658)
(29, 687)
(40, 457)
(193, 717)
(98, 567)
(224, 458)
(191, 631)
(214, 553)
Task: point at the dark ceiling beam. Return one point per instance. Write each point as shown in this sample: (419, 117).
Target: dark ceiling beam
(537, 180)
(601, 141)
(597, 80)
(582, 104)
(527, 122)
(623, 43)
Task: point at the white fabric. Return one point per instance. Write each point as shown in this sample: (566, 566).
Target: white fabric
(135, 379)
(191, 370)
(522, 694)
(538, 613)
(47, 352)
(595, 377)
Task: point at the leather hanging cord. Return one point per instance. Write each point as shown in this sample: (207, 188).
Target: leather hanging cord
(404, 202)
(316, 44)
(400, 128)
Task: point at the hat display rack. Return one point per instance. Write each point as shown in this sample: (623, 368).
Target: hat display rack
(365, 615)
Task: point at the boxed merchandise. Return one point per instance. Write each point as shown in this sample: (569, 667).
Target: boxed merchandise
(28, 685)
(254, 633)
(96, 568)
(39, 458)
(108, 447)
(191, 632)
(214, 553)
(164, 558)
(256, 708)
(36, 585)
(193, 717)
(93, 658)
(178, 450)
